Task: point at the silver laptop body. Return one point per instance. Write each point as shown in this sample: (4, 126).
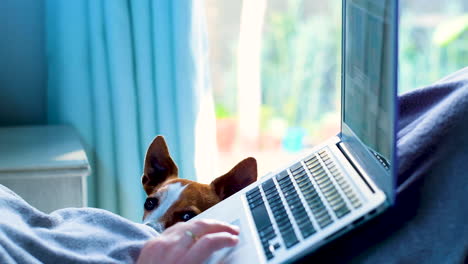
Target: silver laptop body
(346, 180)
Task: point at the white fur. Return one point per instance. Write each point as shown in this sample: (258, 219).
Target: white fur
(167, 198)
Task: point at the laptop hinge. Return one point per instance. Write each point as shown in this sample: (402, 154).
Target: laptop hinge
(353, 163)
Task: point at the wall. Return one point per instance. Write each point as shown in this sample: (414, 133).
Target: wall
(22, 63)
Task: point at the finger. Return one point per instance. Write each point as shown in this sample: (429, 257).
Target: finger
(154, 249)
(208, 226)
(178, 232)
(207, 245)
(198, 228)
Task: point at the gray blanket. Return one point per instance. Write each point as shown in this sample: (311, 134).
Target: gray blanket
(74, 235)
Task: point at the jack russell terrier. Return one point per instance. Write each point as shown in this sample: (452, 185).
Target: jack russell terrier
(171, 199)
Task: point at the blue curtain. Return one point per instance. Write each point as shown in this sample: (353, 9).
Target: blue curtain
(122, 72)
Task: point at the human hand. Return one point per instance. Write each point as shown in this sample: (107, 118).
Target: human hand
(191, 242)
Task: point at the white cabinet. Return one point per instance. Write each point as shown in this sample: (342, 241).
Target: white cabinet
(46, 165)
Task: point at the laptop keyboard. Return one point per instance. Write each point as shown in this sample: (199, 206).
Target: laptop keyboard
(325, 193)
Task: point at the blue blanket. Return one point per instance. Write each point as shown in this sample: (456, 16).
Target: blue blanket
(427, 225)
(427, 117)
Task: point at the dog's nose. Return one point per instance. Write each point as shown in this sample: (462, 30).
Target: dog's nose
(156, 226)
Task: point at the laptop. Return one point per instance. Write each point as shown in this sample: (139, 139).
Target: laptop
(343, 182)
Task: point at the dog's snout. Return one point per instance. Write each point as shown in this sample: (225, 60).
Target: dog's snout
(156, 226)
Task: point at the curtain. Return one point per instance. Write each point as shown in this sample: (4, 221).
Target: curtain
(122, 72)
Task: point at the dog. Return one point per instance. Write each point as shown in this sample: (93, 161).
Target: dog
(171, 199)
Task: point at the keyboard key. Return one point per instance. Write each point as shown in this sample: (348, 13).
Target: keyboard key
(313, 157)
(253, 192)
(281, 215)
(277, 207)
(324, 222)
(298, 172)
(283, 175)
(254, 197)
(256, 203)
(282, 220)
(308, 232)
(312, 161)
(268, 185)
(336, 202)
(318, 174)
(276, 200)
(302, 217)
(260, 216)
(272, 195)
(269, 255)
(276, 246)
(304, 183)
(309, 192)
(312, 198)
(295, 167)
(290, 240)
(268, 191)
(333, 196)
(285, 228)
(289, 193)
(256, 200)
(328, 188)
(320, 177)
(301, 177)
(305, 225)
(266, 232)
(315, 202)
(322, 181)
(285, 183)
(288, 187)
(342, 211)
(356, 204)
(314, 168)
(294, 199)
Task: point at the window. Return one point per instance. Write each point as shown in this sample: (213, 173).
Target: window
(275, 69)
(433, 41)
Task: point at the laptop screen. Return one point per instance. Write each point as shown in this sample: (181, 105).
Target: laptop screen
(370, 55)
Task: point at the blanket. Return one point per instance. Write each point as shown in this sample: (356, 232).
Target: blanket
(428, 222)
(72, 235)
(427, 117)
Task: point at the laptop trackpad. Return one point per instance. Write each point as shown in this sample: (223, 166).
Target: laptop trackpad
(228, 255)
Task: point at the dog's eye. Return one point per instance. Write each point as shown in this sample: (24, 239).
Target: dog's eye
(151, 203)
(187, 216)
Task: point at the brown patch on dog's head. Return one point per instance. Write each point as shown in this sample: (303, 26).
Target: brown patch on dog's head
(179, 200)
(243, 174)
(171, 200)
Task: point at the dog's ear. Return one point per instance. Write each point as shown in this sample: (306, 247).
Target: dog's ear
(159, 165)
(243, 174)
